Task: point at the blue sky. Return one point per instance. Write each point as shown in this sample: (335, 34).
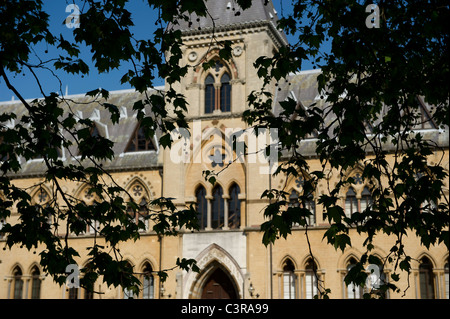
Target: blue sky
(143, 18)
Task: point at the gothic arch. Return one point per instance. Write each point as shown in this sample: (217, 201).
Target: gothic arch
(231, 183)
(200, 74)
(295, 182)
(33, 266)
(81, 193)
(129, 258)
(344, 259)
(360, 183)
(137, 181)
(216, 139)
(425, 254)
(192, 192)
(15, 267)
(307, 258)
(143, 263)
(217, 184)
(37, 198)
(358, 168)
(444, 260)
(209, 260)
(377, 251)
(284, 261)
(223, 64)
(211, 137)
(145, 257)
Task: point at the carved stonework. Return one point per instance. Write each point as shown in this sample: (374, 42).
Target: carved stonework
(208, 261)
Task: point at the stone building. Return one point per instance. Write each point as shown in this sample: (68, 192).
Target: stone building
(233, 261)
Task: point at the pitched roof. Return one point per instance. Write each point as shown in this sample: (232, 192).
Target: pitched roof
(120, 133)
(229, 15)
(301, 87)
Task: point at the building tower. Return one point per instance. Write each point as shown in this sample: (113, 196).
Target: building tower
(217, 99)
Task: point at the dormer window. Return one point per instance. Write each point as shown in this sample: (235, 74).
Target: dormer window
(218, 90)
(139, 142)
(93, 133)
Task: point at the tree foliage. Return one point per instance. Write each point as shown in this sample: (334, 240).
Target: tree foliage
(369, 75)
(371, 78)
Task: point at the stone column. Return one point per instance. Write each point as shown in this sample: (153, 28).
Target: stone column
(26, 280)
(9, 279)
(226, 212)
(208, 212)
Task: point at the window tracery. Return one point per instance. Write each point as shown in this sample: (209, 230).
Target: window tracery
(218, 89)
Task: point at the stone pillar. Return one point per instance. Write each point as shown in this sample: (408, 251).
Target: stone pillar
(208, 212)
(226, 212)
(26, 280)
(8, 295)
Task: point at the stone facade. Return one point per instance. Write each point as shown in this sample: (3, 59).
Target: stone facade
(256, 271)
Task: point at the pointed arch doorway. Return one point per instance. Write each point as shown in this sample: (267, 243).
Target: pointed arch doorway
(220, 276)
(219, 286)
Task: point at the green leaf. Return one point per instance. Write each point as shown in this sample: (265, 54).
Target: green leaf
(165, 140)
(212, 180)
(395, 277)
(335, 214)
(405, 264)
(114, 110)
(342, 241)
(93, 93)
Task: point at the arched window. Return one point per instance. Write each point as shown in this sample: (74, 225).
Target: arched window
(353, 291)
(18, 283)
(202, 213)
(139, 195)
(426, 279)
(288, 280)
(234, 207)
(138, 141)
(225, 93)
(88, 290)
(218, 210)
(310, 204)
(366, 199)
(218, 89)
(293, 199)
(94, 131)
(35, 283)
(351, 205)
(310, 279)
(143, 215)
(148, 282)
(93, 225)
(89, 293)
(94, 134)
(73, 293)
(2, 223)
(376, 278)
(210, 94)
(128, 293)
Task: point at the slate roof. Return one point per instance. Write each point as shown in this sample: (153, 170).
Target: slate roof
(119, 133)
(302, 87)
(226, 15)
